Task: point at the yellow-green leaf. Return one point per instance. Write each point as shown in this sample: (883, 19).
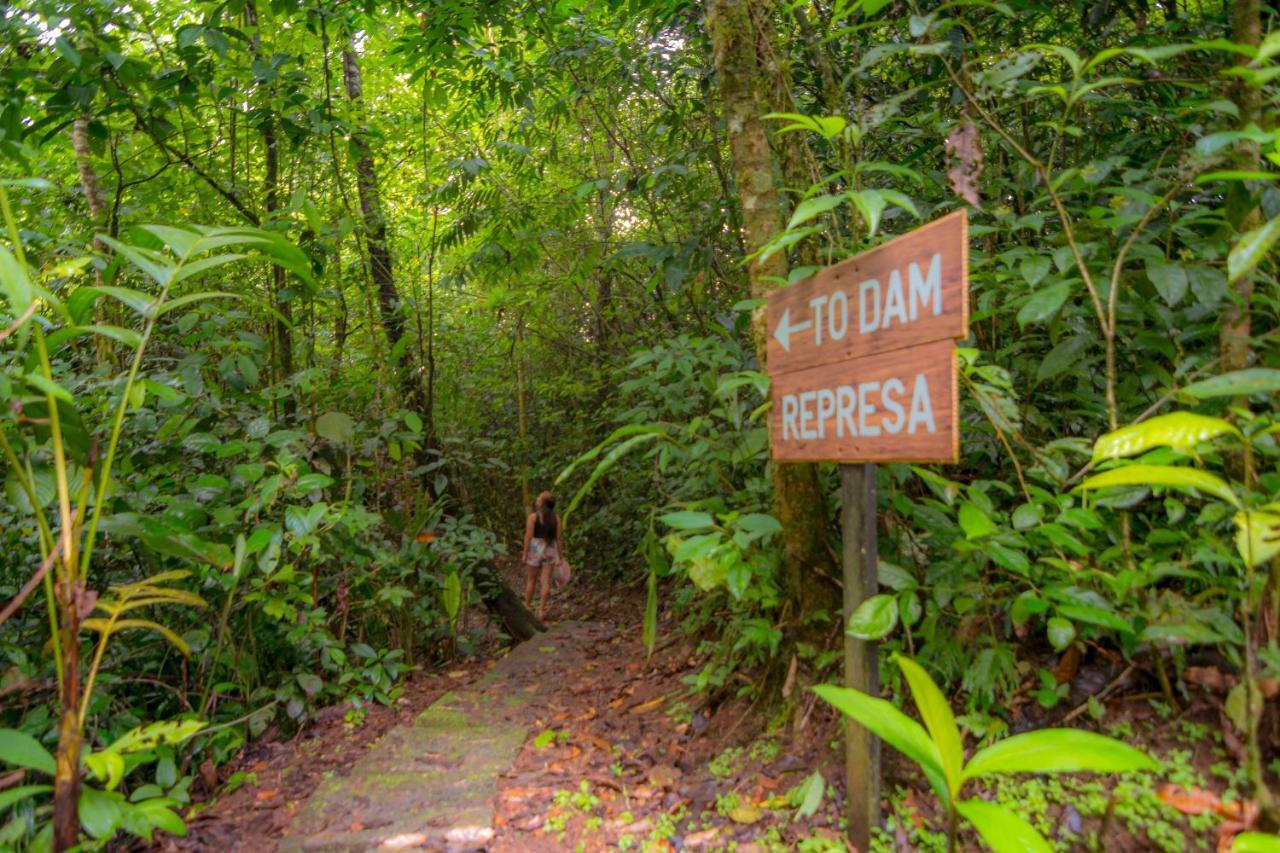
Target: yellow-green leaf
(1004, 831)
(1186, 479)
(1180, 430)
(935, 710)
(104, 627)
(1257, 536)
(1251, 248)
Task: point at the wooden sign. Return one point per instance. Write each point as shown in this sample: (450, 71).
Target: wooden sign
(897, 406)
(861, 354)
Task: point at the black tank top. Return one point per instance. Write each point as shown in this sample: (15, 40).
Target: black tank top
(545, 532)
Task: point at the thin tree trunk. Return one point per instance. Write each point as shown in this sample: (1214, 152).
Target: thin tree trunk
(97, 203)
(797, 499)
(375, 223)
(1242, 205)
(282, 323)
(66, 782)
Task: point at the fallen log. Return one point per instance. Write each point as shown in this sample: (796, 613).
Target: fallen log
(503, 603)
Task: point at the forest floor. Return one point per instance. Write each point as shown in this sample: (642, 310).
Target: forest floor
(575, 741)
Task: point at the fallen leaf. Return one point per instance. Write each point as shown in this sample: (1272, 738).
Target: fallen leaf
(267, 794)
(745, 814)
(648, 706)
(664, 776)
(1192, 801)
(1068, 665)
(1207, 676)
(705, 838)
(402, 842)
(912, 808)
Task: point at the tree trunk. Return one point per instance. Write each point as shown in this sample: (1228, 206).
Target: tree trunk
(499, 599)
(282, 323)
(798, 502)
(93, 196)
(1242, 205)
(375, 224)
(66, 780)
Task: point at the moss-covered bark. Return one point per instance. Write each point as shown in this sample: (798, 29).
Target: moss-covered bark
(736, 28)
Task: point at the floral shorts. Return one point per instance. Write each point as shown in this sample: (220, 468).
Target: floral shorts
(542, 552)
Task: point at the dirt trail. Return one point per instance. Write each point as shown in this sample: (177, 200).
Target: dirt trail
(434, 783)
(572, 740)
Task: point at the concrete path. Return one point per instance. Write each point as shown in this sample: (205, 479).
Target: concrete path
(432, 784)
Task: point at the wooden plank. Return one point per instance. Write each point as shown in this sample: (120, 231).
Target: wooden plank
(909, 291)
(897, 406)
(862, 749)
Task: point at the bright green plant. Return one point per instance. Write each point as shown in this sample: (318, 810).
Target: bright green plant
(938, 749)
(1164, 443)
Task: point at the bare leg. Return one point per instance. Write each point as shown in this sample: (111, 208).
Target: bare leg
(531, 576)
(546, 589)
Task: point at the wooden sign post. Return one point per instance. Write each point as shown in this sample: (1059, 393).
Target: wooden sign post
(862, 361)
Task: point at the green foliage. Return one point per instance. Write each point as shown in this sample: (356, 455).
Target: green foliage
(939, 752)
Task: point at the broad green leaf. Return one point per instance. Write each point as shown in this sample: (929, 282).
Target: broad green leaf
(1251, 248)
(935, 710)
(759, 525)
(811, 207)
(895, 728)
(174, 304)
(1058, 751)
(1035, 268)
(100, 812)
(874, 618)
(17, 795)
(203, 265)
(1237, 383)
(1170, 281)
(158, 813)
(310, 683)
(895, 577)
(798, 122)
(974, 522)
(138, 301)
(1182, 431)
(687, 520)
(1186, 479)
(14, 284)
(1044, 303)
(154, 264)
(107, 767)
(1257, 536)
(48, 387)
(179, 240)
(809, 793)
(1061, 633)
(128, 337)
(19, 749)
(1062, 357)
(1004, 831)
(651, 605)
(337, 427)
(451, 596)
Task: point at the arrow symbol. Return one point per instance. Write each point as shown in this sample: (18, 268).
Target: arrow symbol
(786, 328)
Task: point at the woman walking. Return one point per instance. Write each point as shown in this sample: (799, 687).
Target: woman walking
(543, 548)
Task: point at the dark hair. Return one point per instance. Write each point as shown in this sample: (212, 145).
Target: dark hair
(545, 507)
